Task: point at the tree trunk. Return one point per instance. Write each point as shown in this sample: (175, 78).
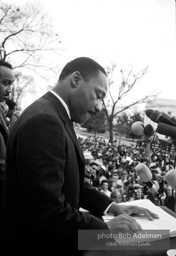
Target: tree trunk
(110, 130)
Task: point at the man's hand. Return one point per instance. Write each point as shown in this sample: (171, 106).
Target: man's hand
(123, 222)
(117, 209)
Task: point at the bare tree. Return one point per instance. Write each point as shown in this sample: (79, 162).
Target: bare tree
(23, 84)
(127, 84)
(27, 36)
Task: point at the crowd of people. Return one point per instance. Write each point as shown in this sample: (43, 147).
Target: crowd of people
(111, 169)
(48, 174)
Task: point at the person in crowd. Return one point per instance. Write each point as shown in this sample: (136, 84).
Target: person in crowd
(124, 176)
(44, 186)
(111, 169)
(124, 196)
(138, 194)
(104, 188)
(120, 169)
(115, 175)
(100, 170)
(123, 179)
(6, 80)
(170, 199)
(112, 182)
(89, 173)
(116, 195)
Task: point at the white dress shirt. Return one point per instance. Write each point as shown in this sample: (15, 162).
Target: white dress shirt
(63, 102)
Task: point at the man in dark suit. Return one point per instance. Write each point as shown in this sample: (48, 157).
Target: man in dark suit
(44, 187)
(6, 80)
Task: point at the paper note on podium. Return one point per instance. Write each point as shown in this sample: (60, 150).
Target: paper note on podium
(165, 221)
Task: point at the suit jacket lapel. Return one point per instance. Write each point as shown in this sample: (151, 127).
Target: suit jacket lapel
(64, 116)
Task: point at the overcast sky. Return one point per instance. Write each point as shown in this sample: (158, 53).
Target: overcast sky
(139, 33)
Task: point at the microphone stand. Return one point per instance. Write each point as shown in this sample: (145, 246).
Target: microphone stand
(148, 141)
(148, 150)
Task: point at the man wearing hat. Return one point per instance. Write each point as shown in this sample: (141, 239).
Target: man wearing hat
(90, 173)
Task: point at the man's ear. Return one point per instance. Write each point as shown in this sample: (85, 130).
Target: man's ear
(75, 78)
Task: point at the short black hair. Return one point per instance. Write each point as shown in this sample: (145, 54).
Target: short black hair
(104, 181)
(5, 64)
(86, 66)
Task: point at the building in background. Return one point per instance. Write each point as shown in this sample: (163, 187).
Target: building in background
(167, 106)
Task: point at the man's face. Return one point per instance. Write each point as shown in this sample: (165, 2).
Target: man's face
(115, 176)
(117, 198)
(87, 98)
(138, 193)
(104, 186)
(6, 80)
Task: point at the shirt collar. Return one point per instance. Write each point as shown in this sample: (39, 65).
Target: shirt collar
(63, 102)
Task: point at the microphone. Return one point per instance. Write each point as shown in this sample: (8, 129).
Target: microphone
(146, 176)
(160, 117)
(166, 130)
(143, 172)
(148, 112)
(148, 130)
(166, 119)
(152, 114)
(139, 129)
(170, 177)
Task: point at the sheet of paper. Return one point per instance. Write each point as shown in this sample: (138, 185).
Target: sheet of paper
(165, 221)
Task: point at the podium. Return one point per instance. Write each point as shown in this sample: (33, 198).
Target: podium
(139, 252)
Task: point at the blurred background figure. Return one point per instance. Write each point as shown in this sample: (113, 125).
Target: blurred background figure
(104, 188)
(116, 196)
(90, 173)
(101, 174)
(170, 200)
(138, 194)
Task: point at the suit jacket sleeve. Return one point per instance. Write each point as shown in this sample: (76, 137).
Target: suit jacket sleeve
(91, 196)
(42, 159)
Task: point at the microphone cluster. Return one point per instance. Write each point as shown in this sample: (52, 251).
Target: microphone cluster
(139, 129)
(146, 176)
(166, 124)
